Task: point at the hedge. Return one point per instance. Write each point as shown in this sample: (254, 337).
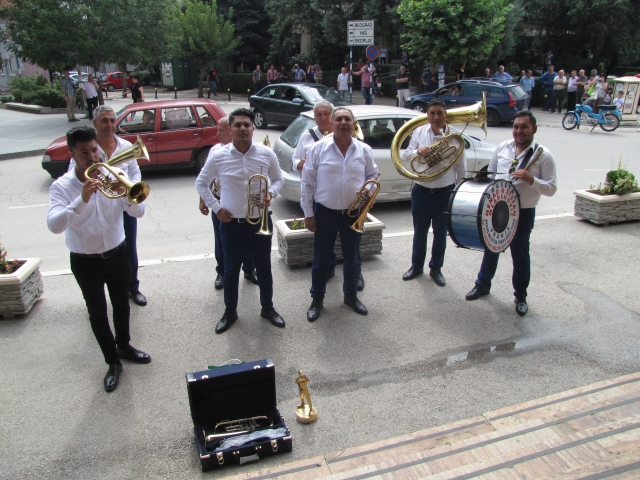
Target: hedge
(237, 82)
(51, 98)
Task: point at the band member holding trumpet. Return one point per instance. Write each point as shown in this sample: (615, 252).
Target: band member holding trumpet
(532, 169)
(335, 170)
(241, 227)
(99, 255)
(322, 115)
(429, 199)
(224, 135)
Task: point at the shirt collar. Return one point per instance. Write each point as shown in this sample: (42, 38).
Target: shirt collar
(234, 149)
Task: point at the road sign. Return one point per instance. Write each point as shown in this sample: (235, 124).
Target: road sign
(360, 32)
(372, 52)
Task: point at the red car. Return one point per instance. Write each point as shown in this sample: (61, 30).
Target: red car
(177, 133)
(114, 80)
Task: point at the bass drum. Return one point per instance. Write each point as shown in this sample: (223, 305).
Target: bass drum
(483, 215)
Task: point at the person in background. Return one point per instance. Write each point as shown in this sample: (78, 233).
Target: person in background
(284, 75)
(430, 80)
(460, 73)
(311, 70)
(403, 81)
(383, 55)
(547, 86)
(559, 92)
(581, 83)
(318, 74)
(487, 73)
(527, 82)
(404, 59)
(212, 78)
(272, 75)
(608, 96)
(502, 75)
(136, 90)
(90, 88)
(619, 101)
(343, 83)
(365, 74)
(572, 89)
(69, 92)
(298, 74)
(257, 79)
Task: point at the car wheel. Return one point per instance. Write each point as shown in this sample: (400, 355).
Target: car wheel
(258, 120)
(419, 107)
(111, 88)
(201, 158)
(493, 118)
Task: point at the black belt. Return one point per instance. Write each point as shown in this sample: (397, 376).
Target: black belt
(244, 220)
(340, 212)
(436, 190)
(103, 255)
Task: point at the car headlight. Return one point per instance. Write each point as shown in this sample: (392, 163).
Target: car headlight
(408, 99)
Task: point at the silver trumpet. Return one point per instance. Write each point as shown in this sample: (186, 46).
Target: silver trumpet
(230, 428)
(255, 200)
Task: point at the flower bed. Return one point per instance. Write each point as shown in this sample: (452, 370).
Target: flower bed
(606, 209)
(20, 290)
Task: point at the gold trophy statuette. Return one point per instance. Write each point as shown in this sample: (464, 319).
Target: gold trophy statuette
(305, 413)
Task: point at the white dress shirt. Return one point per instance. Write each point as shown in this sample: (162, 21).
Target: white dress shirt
(425, 136)
(216, 147)
(234, 169)
(131, 168)
(332, 179)
(92, 227)
(543, 171)
(89, 89)
(306, 140)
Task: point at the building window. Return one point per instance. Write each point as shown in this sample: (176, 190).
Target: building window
(2, 72)
(10, 69)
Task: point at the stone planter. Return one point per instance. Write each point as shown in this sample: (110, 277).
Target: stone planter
(606, 209)
(296, 246)
(20, 290)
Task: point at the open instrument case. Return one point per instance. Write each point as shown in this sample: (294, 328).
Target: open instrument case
(234, 413)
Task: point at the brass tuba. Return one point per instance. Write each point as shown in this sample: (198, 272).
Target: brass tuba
(363, 203)
(445, 151)
(255, 199)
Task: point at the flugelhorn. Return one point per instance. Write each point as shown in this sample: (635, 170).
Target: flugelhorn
(363, 203)
(119, 186)
(228, 428)
(446, 151)
(266, 142)
(136, 151)
(255, 200)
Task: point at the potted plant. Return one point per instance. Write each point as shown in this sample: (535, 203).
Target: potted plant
(295, 242)
(618, 200)
(20, 284)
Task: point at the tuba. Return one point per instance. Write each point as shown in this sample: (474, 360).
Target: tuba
(445, 151)
(255, 199)
(363, 203)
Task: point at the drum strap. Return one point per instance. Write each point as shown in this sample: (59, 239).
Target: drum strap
(527, 157)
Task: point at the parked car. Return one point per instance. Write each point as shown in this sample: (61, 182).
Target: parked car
(379, 125)
(114, 81)
(177, 133)
(282, 103)
(503, 101)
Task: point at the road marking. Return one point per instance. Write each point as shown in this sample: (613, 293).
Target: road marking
(30, 206)
(205, 256)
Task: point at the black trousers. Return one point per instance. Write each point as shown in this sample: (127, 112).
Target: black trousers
(92, 274)
(92, 103)
(131, 236)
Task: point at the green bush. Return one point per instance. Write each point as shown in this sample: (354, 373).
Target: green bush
(6, 98)
(30, 98)
(144, 77)
(51, 98)
(619, 182)
(29, 84)
(17, 95)
(237, 82)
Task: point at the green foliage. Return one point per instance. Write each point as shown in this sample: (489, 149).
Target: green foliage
(619, 182)
(8, 266)
(144, 77)
(29, 84)
(297, 224)
(17, 95)
(51, 98)
(453, 31)
(237, 82)
(30, 98)
(6, 99)
(252, 26)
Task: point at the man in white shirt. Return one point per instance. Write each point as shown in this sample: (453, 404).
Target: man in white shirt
(224, 135)
(532, 170)
(92, 224)
(430, 199)
(233, 165)
(336, 168)
(527, 83)
(90, 88)
(343, 83)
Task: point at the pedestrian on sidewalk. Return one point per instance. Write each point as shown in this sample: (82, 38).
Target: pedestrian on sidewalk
(257, 79)
(559, 92)
(136, 90)
(527, 82)
(272, 75)
(343, 83)
(90, 89)
(403, 81)
(212, 78)
(572, 89)
(547, 86)
(69, 92)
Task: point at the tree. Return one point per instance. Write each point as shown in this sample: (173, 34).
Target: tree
(286, 28)
(453, 31)
(252, 26)
(204, 35)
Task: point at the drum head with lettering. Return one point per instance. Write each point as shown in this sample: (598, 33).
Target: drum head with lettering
(499, 213)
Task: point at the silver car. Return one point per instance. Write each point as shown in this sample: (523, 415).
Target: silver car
(379, 125)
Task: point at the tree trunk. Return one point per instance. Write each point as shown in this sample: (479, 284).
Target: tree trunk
(96, 68)
(203, 75)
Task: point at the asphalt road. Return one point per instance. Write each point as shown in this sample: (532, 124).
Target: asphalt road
(422, 357)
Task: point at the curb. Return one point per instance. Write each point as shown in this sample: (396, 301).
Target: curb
(14, 155)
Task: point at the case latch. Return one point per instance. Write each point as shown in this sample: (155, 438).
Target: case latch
(220, 456)
(274, 445)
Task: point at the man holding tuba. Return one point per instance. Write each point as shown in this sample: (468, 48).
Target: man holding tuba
(99, 255)
(335, 170)
(429, 199)
(233, 165)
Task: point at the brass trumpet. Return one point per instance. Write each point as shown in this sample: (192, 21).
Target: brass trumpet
(255, 199)
(363, 203)
(120, 186)
(228, 428)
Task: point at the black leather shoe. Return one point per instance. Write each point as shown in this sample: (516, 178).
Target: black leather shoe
(138, 298)
(273, 316)
(412, 273)
(355, 304)
(476, 292)
(437, 276)
(360, 282)
(112, 377)
(130, 353)
(219, 283)
(251, 276)
(226, 321)
(521, 306)
(332, 273)
(314, 310)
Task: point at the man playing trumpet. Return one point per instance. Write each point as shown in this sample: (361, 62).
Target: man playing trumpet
(233, 165)
(99, 255)
(335, 170)
(429, 199)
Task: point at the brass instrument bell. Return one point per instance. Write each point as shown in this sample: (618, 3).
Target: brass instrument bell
(255, 200)
(119, 186)
(363, 203)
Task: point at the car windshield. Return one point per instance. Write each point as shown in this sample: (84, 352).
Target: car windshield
(518, 92)
(292, 135)
(314, 94)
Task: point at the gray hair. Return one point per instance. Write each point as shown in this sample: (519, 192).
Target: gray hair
(101, 109)
(342, 108)
(322, 104)
(223, 120)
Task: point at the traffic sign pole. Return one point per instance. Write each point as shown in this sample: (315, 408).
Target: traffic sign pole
(351, 74)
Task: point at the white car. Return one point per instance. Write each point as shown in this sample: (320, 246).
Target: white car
(379, 125)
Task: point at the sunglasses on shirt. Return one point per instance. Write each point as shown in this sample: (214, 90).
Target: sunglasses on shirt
(514, 164)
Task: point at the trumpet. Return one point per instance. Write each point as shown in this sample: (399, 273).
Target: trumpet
(120, 186)
(229, 428)
(255, 200)
(363, 203)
